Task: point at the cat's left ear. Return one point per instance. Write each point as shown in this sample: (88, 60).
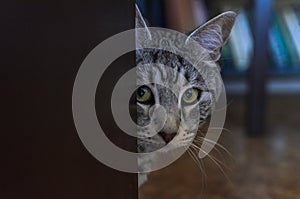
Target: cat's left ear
(140, 22)
(214, 34)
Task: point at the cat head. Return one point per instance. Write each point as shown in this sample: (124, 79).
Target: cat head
(190, 106)
(211, 35)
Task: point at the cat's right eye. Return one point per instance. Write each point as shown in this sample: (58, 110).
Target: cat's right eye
(144, 95)
(191, 96)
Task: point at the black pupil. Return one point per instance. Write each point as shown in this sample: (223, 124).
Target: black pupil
(189, 93)
(141, 91)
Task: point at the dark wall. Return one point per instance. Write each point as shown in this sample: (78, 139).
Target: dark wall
(43, 44)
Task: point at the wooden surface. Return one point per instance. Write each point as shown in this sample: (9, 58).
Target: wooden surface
(263, 167)
(43, 43)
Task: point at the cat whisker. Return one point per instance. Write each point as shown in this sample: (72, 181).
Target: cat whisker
(196, 160)
(224, 129)
(218, 163)
(201, 139)
(220, 154)
(217, 150)
(215, 160)
(200, 165)
(220, 128)
(199, 148)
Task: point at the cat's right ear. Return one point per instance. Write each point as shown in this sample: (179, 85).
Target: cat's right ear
(215, 33)
(140, 22)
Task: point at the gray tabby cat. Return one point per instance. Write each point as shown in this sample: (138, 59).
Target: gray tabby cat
(211, 36)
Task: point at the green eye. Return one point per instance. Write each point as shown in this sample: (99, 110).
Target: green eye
(190, 96)
(143, 94)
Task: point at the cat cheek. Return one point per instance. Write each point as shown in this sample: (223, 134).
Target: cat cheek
(143, 118)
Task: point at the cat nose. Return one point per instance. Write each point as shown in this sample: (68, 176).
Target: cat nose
(167, 137)
(172, 123)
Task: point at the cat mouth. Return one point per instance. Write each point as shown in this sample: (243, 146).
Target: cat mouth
(167, 137)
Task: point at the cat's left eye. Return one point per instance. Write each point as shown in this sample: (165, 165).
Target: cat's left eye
(144, 95)
(191, 96)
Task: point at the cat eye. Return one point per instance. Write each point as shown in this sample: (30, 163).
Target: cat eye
(144, 95)
(191, 96)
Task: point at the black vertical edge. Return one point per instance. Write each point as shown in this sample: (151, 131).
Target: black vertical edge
(258, 75)
(43, 44)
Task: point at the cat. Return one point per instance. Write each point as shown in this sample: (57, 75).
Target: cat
(211, 36)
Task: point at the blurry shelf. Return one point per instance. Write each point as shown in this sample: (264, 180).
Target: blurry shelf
(280, 81)
(295, 71)
(229, 72)
(274, 86)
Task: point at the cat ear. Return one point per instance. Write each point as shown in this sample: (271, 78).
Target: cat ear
(140, 22)
(214, 34)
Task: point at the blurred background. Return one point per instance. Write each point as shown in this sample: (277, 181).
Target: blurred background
(259, 152)
(43, 44)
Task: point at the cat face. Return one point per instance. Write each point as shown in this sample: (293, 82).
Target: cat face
(186, 99)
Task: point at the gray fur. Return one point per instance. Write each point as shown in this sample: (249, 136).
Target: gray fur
(212, 36)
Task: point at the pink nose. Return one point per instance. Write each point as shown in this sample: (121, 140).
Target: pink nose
(167, 137)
